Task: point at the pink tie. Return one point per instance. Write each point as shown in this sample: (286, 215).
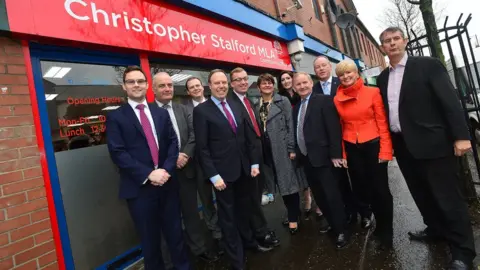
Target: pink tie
(147, 129)
(229, 117)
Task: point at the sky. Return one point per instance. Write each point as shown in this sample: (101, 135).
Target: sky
(369, 12)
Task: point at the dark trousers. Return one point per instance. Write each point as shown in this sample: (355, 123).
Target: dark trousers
(351, 203)
(326, 192)
(156, 211)
(292, 203)
(234, 208)
(434, 186)
(205, 192)
(258, 222)
(370, 184)
(195, 236)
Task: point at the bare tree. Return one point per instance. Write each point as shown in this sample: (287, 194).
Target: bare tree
(402, 14)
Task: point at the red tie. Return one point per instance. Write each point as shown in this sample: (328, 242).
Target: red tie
(252, 116)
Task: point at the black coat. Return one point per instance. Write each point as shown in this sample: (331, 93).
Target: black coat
(430, 113)
(317, 88)
(219, 149)
(321, 129)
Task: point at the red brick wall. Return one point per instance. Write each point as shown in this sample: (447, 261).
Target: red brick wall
(26, 240)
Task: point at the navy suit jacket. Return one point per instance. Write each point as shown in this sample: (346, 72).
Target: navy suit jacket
(129, 149)
(317, 88)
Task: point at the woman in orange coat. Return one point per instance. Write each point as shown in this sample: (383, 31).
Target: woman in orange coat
(368, 147)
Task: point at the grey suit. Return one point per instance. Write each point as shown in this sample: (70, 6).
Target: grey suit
(194, 233)
(205, 192)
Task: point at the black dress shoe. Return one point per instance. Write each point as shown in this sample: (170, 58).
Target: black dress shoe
(324, 227)
(293, 231)
(308, 212)
(342, 240)
(367, 222)
(262, 249)
(423, 235)
(270, 240)
(209, 257)
(458, 265)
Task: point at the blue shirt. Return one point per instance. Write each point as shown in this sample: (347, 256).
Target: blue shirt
(217, 102)
(302, 103)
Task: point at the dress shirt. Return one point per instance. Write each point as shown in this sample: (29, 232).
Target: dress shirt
(300, 110)
(395, 79)
(241, 97)
(217, 102)
(195, 103)
(327, 90)
(172, 118)
(134, 104)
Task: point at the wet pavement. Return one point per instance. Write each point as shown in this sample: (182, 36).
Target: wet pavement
(309, 249)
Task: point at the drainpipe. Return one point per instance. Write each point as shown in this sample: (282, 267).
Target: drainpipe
(331, 25)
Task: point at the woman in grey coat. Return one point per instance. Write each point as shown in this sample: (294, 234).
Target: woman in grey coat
(275, 113)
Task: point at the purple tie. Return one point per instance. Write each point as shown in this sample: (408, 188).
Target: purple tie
(147, 129)
(229, 117)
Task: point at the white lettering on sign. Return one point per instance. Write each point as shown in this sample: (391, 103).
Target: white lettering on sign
(172, 33)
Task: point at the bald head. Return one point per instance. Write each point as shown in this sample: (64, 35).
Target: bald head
(322, 67)
(163, 87)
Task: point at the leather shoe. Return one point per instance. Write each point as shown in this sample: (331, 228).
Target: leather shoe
(209, 257)
(457, 265)
(293, 231)
(308, 212)
(367, 222)
(262, 249)
(342, 240)
(270, 240)
(324, 227)
(423, 235)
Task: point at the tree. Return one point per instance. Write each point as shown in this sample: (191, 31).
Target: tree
(404, 15)
(433, 39)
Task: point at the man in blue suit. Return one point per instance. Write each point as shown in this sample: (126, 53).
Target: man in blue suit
(143, 145)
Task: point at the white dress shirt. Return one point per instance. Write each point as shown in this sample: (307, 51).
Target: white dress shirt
(395, 79)
(195, 103)
(134, 104)
(172, 118)
(241, 97)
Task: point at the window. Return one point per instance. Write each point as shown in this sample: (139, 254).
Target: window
(79, 97)
(357, 35)
(363, 43)
(317, 10)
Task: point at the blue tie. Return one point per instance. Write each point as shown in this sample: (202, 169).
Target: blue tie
(325, 89)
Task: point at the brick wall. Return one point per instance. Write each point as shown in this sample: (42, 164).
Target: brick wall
(26, 240)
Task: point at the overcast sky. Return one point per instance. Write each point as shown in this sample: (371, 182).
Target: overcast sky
(371, 10)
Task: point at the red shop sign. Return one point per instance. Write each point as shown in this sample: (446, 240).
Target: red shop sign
(145, 25)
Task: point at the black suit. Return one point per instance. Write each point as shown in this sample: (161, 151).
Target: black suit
(205, 191)
(230, 155)
(352, 204)
(431, 119)
(323, 141)
(258, 220)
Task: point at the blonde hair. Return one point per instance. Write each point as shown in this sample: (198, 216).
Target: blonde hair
(345, 66)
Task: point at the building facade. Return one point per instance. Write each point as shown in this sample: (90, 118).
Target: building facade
(61, 63)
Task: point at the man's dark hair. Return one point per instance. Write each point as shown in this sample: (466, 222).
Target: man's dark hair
(131, 69)
(391, 29)
(191, 79)
(215, 71)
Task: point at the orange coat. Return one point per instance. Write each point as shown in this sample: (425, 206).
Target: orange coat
(362, 115)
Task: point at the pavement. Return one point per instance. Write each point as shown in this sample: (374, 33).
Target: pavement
(309, 249)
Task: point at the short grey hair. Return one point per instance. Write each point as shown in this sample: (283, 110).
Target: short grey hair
(392, 29)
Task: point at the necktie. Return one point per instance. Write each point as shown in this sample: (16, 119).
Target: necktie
(325, 88)
(300, 137)
(229, 117)
(252, 116)
(147, 129)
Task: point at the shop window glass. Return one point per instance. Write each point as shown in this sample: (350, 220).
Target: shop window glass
(79, 97)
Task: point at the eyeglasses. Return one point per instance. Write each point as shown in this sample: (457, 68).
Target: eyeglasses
(240, 79)
(140, 82)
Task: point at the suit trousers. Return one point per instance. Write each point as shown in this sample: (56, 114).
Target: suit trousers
(434, 185)
(370, 184)
(156, 211)
(234, 210)
(258, 222)
(205, 192)
(351, 203)
(326, 192)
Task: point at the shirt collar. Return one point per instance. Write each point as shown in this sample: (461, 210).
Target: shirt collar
(240, 96)
(308, 97)
(402, 62)
(161, 104)
(329, 80)
(134, 104)
(216, 101)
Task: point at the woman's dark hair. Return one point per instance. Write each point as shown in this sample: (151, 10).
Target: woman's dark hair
(265, 77)
(280, 85)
